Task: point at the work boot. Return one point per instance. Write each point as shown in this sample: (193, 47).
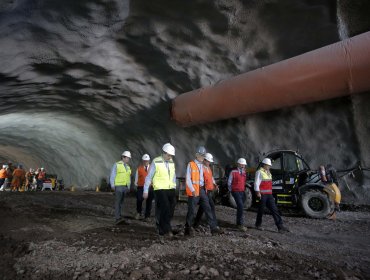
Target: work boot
(137, 216)
(217, 231)
(242, 228)
(189, 231)
(259, 228)
(283, 229)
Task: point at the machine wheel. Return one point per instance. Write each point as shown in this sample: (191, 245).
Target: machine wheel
(248, 199)
(316, 204)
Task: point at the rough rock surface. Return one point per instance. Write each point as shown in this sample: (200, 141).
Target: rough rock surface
(64, 235)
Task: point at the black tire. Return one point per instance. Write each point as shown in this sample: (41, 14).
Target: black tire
(248, 199)
(316, 204)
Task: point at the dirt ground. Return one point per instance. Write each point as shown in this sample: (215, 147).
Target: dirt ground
(71, 235)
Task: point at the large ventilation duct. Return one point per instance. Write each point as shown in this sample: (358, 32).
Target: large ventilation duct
(336, 70)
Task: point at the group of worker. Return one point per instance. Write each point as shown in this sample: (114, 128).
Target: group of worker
(158, 180)
(15, 178)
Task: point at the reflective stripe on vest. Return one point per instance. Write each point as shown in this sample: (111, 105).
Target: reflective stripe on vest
(266, 183)
(238, 183)
(208, 178)
(163, 178)
(122, 175)
(141, 175)
(195, 179)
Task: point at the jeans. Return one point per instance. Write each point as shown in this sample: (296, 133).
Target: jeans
(239, 199)
(204, 203)
(140, 199)
(200, 212)
(267, 200)
(165, 202)
(119, 194)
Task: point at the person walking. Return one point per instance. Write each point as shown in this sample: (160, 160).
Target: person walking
(120, 181)
(210, 186)
(236, 184)
(162, 174)
(263, 189)
(140, 175)
(196, 192)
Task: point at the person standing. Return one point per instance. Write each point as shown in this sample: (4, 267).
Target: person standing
(3, 176)
(263, 189)
(210, 186)
(29, 180)
(162, 174)
(120, 181)
(18, 178)
(236, 184)
(140, 175)
(41, 176)
(196, 192)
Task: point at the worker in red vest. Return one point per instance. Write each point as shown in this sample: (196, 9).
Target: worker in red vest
(195, 189)
(263, 189)
(210, 186)
(236, 184)
(140, 175)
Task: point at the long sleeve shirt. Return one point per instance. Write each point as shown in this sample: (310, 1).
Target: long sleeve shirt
(257, 181)
(188, 175)
(151, 172)
(113, 174)
(230, 180)
(137, 175)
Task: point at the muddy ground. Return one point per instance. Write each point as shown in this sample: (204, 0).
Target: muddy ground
(71, 235)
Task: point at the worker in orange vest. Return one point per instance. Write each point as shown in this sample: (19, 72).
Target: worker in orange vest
(196, 192)
(140, 175)
(19, 176)
(29, 179)
(210, 186)
(3, 176)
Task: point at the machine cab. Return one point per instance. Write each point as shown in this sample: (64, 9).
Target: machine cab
(287, 170)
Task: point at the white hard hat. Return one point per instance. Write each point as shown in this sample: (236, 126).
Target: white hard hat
(169, 149)
(242, 161)
(5, 166)
(42, 168)
(146, 157)
(126, 154)
(266, 161)
(209, 157)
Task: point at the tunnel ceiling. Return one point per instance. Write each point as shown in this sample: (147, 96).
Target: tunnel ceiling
(81, 81)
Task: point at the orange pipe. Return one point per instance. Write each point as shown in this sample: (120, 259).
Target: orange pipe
(336, 70)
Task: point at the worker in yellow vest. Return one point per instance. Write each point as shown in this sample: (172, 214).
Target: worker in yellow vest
(197, 193)
(162, 175)
(140, 175)
(120, 181)
(263, 189)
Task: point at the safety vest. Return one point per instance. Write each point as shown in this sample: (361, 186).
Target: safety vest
(208, 178)
(266, 183)
(163, 178)
(141, 175)
(41, 175)
(238, 183)
(122, 175)
(195, 179)
(3, 173)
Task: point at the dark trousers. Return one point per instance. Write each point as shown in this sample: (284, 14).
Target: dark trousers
(200, 212)
(239, 199)
(204, 203)
(165, 202)
(140, 199)
(267, 200)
